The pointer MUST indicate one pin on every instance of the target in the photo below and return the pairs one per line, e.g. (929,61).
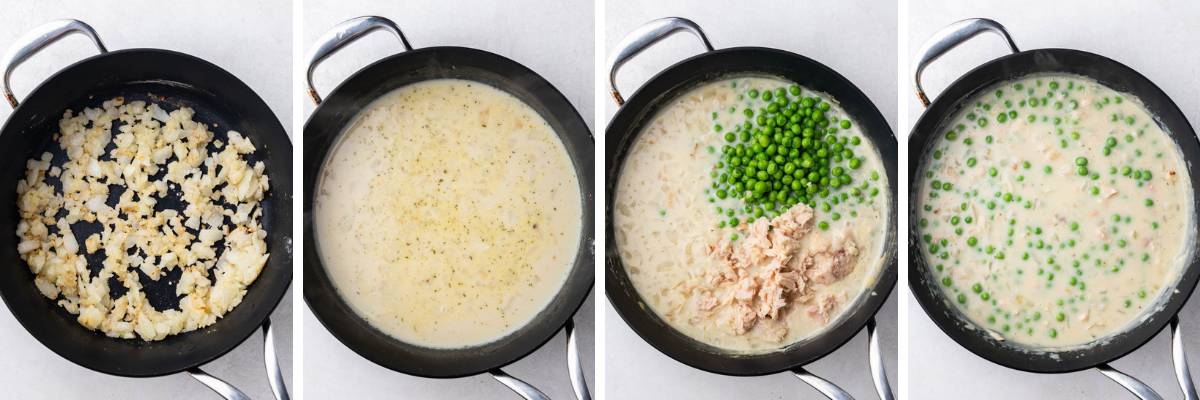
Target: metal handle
(1182,373)
(574,366)
(343,34)
(826,388)
(878,373)
(641,38)
(949,38)
(227,391)
(525,390)
(36,40)
(1133,385)
(274,373)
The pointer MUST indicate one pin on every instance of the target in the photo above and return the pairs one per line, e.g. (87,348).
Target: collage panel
(149,167)
(448,200)
(750,207)
(1052,223)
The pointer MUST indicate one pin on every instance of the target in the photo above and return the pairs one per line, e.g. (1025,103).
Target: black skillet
(338,110)
(644,104)
(172,80)
(939,114)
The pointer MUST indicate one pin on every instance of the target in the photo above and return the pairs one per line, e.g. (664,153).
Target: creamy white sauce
(664,220)
(448,214)
(1029,245)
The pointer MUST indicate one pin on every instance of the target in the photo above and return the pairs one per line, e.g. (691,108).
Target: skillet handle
(274,373)
(1133,385)
(950,37)
(574,366)
(227,391)
(827,388)
(36,40)
(343,34)
(1182,373)
(878,373)
(641,39)
(525,390)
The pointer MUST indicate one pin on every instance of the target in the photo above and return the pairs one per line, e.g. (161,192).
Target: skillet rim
(586,245)
(272,301)
(1009,356)
(691,352)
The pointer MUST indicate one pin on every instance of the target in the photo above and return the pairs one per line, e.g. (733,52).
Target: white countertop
(635,370)
(1162,47)
(258,52)
(557,43)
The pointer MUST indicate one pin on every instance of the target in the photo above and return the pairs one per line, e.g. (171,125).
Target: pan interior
(161,292)
(451,226)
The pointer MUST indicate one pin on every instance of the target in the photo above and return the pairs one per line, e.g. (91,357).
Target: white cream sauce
(1066,214)
(448,214)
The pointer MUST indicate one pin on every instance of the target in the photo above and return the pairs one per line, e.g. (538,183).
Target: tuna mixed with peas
(1053,210)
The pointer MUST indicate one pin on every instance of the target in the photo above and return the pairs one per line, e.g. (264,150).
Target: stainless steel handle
(641,39)
(878,373)
(227,391)
(1183,374)
(343,34)
(525,390)
(274,373)
(36,40)
(574,366)
(949,38)
(827,388)
(1133,385)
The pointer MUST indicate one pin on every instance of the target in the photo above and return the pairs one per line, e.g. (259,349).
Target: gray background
(556,41)
(635,370)
(252,40)
(1162,46)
